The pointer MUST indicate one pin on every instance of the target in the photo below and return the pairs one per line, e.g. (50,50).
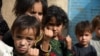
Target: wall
(7,11)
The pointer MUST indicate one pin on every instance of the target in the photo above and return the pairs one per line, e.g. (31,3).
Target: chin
(22,52)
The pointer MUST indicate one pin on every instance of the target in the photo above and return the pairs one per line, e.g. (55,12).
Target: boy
(25,31)
(83,33)
(96,40)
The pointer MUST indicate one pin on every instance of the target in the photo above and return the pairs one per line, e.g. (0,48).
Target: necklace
(46,50)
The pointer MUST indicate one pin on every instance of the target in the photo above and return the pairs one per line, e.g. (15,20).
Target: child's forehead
(84,32)
(54,20)
(26,31)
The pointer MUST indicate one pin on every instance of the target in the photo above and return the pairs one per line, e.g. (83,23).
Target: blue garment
(84,51)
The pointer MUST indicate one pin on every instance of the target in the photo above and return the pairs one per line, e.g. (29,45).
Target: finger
(33,52)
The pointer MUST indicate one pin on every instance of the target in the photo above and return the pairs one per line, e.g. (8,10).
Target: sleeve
(66,52)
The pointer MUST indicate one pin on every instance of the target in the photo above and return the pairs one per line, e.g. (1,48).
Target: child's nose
(37,15)
(54,28)
(23,42)
(83,37)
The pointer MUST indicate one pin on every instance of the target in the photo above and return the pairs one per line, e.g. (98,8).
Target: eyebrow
(24,36)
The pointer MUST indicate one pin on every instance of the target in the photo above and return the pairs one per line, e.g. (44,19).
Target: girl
(35,8)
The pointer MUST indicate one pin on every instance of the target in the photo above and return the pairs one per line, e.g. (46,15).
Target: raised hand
(48,32)
(33,52)
(68,42)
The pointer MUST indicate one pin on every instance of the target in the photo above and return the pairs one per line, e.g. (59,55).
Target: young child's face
(85,38)
(36,11)
(57,29)
(24,40)
(97,31)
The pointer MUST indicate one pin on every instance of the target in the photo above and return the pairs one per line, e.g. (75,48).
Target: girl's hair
(25,22)
(58,13)
(21,6)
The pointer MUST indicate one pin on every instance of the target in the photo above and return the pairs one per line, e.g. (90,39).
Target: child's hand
(68,42)
(48,32)
(33,52)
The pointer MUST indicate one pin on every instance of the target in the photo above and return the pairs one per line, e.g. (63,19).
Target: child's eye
(33,12)
(86,35)
(50,24)
(40,13)
(30,39)
(19,37)
(99,28)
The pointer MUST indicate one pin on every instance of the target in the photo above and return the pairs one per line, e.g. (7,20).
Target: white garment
(5,50)
(95,42)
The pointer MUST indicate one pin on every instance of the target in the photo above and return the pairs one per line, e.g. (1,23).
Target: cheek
(89,38)
(60,29)
(31,43)
(28,13)
(79,38)
(98,32)
(16,43)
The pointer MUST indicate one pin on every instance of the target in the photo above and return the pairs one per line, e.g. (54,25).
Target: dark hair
(3,26)
(21,6)
(96,22)
(83,26)
(25,21)
(58,13)
(0,5)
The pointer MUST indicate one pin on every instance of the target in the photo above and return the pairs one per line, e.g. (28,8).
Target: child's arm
(68,42)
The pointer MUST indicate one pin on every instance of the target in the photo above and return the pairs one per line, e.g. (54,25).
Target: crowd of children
(37,31)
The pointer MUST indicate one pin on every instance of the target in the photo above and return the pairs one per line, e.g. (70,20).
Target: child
(96,40)
(55,20)
(25,31)
(83,31)
(35,8)
(44,45)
